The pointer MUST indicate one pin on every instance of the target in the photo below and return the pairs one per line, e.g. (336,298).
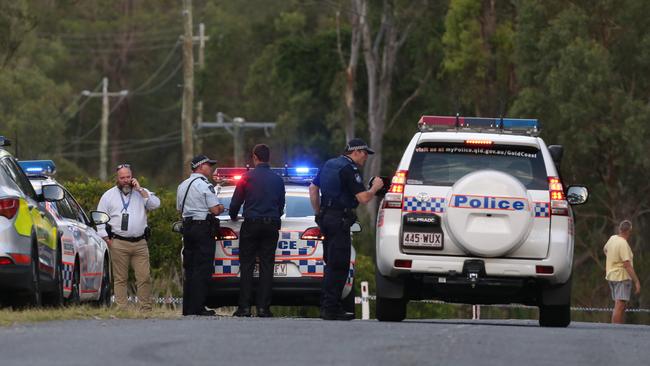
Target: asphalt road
(233,341)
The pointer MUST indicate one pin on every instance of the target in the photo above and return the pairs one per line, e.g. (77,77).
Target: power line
(161,84)
(160,68)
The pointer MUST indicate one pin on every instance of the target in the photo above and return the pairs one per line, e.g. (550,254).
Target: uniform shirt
(617,252)
(351,182)
(113,202)
(262,193)
(200,197)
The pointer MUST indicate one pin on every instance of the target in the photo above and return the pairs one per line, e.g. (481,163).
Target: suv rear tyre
(390,310)
(554,316)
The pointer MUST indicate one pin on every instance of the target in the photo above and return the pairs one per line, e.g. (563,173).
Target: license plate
(422,240)
(279,270)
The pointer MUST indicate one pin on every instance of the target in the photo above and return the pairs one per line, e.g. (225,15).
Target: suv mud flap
(390,288)
(557,295)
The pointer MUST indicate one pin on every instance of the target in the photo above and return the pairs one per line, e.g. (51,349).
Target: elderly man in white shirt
(127,204)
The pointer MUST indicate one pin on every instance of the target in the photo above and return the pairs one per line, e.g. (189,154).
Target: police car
(477,213)
(29,250)
(299,265)
(84,260)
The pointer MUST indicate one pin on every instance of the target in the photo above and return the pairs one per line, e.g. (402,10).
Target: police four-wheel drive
(477,213)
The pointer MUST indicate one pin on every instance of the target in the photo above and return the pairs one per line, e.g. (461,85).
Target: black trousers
(198,263)
(257,239)
(337,249)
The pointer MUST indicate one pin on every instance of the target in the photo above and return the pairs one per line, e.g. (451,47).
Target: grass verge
(10,317)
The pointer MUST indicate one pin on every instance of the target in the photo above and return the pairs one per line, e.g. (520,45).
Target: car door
(44,225)
(94,249)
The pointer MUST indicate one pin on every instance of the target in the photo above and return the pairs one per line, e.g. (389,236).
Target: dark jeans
(198,263)
(257,239)
(337,249)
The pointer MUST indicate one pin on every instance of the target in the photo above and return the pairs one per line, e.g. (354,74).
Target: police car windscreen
(443,164)
(295,206)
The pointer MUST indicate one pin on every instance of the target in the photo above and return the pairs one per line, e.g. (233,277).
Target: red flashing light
(559,204)
(9,207)
(226,233)
(20,258)
(312,233)
(395,194)
(236,177)
(403,263)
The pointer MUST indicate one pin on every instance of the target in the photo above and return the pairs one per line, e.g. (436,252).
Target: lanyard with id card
(124,226)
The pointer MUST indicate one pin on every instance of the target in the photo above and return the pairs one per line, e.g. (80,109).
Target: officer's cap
(201,159)
(358,144)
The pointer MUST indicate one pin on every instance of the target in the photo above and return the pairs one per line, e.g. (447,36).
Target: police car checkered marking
(435,204)
(224,267)
(311,266)
(542,209)
(66,275)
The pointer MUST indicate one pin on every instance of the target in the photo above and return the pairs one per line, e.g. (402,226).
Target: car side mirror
(52,192)
(577,195)
(355,228)
(99,217)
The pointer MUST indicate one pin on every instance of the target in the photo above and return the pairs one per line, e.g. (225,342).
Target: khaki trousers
(136,254)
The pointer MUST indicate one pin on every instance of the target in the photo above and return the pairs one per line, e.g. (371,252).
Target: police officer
(197,202)
(262,193)
(341,190)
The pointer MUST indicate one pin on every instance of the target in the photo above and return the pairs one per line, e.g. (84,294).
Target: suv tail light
(5,261)
(395,194)
(559,204)
(226,233)
(312,233)
(9,207)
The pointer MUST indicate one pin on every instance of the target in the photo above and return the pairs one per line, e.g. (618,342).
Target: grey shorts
(621,290)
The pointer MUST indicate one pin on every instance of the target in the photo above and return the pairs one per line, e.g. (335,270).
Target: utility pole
(199,106)
(103,140)
(237,128)
(188,88)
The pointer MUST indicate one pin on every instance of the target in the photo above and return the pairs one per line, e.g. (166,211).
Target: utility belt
(132,239)
(211,222)
(348,215)
(262,220)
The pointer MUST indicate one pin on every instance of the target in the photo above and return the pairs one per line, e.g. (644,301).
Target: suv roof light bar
(38,168)
(514,126)
(294,175)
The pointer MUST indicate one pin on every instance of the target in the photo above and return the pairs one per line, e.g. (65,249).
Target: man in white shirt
(126,234)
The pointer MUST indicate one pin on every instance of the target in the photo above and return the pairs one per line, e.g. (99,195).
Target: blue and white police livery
(299,265)
(85,271)
(477,213)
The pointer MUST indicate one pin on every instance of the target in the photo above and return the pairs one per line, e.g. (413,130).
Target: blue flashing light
(38,167)
(302,170)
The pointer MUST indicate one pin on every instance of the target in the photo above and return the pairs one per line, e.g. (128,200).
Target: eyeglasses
(128,166)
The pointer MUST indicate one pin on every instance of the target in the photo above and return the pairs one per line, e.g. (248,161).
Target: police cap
(358,144)
(201,159)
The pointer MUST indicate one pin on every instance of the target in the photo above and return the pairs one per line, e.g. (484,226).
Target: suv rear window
(443,164)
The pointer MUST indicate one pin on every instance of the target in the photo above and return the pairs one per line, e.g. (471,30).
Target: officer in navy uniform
(197,202)
(341,190)
(262,193)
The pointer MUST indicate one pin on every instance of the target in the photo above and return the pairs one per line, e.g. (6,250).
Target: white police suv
(476,213)
(299,265)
